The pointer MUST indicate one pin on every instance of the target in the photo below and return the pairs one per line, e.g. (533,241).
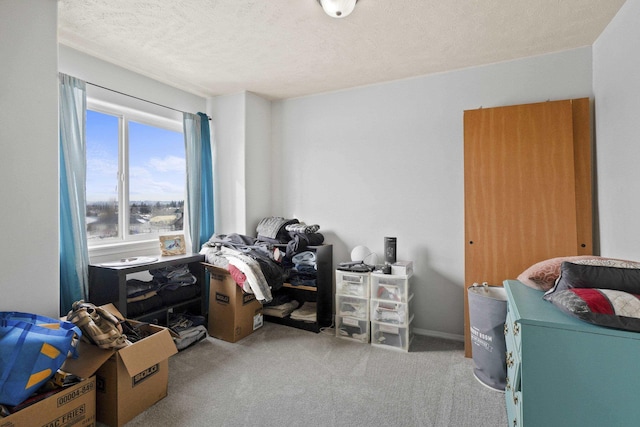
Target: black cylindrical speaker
(389,250)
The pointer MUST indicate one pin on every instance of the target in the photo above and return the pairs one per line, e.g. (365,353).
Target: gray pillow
(597,276)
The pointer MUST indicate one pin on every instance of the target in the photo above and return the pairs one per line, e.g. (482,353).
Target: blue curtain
(206,206)
(74,254)
(199,178)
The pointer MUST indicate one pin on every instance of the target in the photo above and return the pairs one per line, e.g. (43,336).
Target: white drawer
(391,336)
(352,306)
(390,288)
(352,329)
(396,313)
(352,283)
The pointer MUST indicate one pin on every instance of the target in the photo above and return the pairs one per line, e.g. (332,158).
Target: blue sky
(156,161)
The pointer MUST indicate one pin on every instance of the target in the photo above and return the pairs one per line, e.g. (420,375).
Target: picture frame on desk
(173,245)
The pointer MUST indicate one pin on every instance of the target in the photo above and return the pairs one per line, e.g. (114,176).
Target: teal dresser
(565,372)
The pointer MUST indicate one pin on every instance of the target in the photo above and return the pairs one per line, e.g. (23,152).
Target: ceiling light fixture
(338,8)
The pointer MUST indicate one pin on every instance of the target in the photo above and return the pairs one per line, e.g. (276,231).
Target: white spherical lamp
(363,254)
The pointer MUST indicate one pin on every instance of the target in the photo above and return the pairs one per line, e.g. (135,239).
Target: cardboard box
(128,380)
(71,406)
(233,314)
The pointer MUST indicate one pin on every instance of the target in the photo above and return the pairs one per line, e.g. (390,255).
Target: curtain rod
(140,99)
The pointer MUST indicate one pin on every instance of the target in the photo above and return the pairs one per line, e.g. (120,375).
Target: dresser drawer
(513,388)
(513,359)
(514,410)
(512,331)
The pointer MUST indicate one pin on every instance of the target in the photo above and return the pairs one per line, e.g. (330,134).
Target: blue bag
(32,349)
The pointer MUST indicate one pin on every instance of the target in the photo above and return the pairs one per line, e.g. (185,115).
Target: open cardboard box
(128,380)
(71,406)
(233,314)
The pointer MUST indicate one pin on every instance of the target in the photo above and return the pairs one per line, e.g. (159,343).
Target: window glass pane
(102,176)
(157,179)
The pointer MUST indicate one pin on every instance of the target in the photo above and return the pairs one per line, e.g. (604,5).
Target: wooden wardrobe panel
(584,174)
(520,190)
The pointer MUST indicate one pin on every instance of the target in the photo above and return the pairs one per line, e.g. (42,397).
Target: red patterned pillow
(604,307)
(543,275)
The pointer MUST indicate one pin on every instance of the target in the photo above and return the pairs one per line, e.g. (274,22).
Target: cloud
(160,179)
(140,173)
(168,164)
(146,185)
(102,166)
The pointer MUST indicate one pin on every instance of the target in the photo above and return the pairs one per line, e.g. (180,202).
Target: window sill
(115,251)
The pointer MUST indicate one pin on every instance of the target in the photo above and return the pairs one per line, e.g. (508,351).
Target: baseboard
(437,334)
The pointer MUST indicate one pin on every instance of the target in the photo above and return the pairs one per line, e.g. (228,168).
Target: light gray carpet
(282,376)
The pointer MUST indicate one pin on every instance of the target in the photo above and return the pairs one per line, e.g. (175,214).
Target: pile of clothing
(295,234)
(258,265)
(254,265)
(302,270)
(189,329)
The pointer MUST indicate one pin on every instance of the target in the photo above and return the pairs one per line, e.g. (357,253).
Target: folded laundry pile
(281,310)
(306,313)
(189,328)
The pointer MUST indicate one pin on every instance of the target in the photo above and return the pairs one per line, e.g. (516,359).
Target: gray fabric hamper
(487,315)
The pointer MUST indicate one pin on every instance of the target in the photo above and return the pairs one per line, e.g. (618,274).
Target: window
(135,160)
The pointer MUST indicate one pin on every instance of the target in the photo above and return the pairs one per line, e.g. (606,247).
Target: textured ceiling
(289,48)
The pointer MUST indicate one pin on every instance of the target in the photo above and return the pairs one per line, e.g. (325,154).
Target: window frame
(126,244)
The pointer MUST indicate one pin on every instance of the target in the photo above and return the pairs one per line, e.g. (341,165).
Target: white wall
(258,160)
(243,161)
(29,163)
(616,85)
(228,124)
(387,160)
